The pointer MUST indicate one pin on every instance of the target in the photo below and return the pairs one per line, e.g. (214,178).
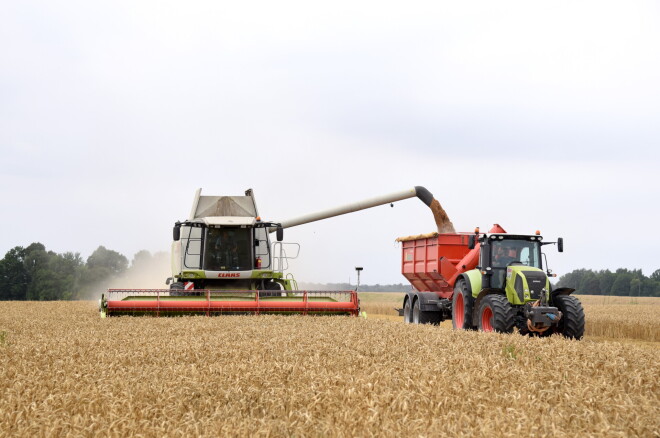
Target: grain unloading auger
(223,262)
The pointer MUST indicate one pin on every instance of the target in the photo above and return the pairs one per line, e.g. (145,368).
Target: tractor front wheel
(462,306)
(571,324)
(496,314)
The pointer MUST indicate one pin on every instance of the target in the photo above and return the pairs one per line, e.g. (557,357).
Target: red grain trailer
(432,263)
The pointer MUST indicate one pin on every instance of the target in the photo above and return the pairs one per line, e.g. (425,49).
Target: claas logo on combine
(229,275)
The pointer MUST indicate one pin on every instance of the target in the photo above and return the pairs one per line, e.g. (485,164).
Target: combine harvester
(223,263)
(487,281)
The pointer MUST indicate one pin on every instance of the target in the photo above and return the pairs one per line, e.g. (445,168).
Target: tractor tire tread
(503,313)
(468,303)
(572,321)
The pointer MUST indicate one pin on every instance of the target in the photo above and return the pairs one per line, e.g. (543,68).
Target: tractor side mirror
(560,244)
(471,241)
(176,233)
(279,233)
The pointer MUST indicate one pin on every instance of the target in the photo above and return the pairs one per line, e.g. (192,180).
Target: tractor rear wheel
(421,317)
(496,314)
(571,324)
(407,312)
(462,305)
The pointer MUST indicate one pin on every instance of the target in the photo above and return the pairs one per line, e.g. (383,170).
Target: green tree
(53,276)
(656,275)
(573,279)
(14,278)
(621,285)
(650,288)
(606,280)
(589,284)
(107,260)
(635,287)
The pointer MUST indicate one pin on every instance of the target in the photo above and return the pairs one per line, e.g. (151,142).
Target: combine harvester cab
(223,262)
(487,281)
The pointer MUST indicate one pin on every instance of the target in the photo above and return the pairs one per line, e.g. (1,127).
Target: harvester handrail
(283,258)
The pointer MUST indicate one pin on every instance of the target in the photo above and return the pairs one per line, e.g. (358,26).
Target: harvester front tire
(176,289)
(421,317)
(274,286)
(496,314)
(462,304)
(571,324)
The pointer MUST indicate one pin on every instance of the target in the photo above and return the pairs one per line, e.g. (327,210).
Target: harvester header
(223,262)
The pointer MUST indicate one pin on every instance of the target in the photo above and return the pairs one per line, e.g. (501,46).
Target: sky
(533,115)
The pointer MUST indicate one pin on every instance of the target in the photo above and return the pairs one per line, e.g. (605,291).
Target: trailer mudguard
(428,301)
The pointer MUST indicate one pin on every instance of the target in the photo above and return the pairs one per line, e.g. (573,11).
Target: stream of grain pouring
(441,219)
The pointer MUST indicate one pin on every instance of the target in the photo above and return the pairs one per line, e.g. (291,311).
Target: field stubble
(64,371)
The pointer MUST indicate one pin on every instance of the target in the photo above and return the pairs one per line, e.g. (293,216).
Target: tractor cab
(501,252)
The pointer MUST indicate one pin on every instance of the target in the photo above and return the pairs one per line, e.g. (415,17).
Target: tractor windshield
(228,249)
(525,252)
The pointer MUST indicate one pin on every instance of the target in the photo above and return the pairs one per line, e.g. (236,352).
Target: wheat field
(66,372)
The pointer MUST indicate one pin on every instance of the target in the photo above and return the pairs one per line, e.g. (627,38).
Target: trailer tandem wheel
(407,311)
(420,316)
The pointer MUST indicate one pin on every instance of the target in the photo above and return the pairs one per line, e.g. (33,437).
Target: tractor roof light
(538,232)
(476,230)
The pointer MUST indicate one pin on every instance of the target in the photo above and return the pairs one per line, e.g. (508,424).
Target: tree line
(34,273)
(622,282)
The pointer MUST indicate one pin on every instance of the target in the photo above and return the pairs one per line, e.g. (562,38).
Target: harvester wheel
(496,314)
(407,312)
(421,317)
(462,306)
(571,324)
(176,289)
(274,286)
